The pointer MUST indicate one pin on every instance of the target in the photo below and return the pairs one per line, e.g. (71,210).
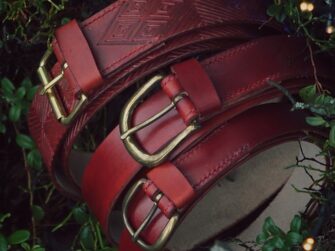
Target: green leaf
(315,121)
(34,159)
(20,92)
(281,16)
(14,113)
(86,237)
(79,215)
(26,83)
(277,11)
(2,128)
(3,243)
(270,227)
(38,212)
(25,246)
(332,136)
(3,217)
(323,99)
(296,224)
(268,247)
(65,20)
(294,238)
(308,93)
(289,8)
(63,223)
(7,87)
(31,92)
(18,237)
(38,248)
(25,141)
(305,234)
(262,237)
(266,226)
(275,242)
(278,242)
(273,10)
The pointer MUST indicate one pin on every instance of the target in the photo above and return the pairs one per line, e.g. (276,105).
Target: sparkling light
(330,29)
(310,7)
(303,6)
(308,244)
(306,6)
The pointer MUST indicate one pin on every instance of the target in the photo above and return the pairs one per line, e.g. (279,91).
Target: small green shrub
(273,238)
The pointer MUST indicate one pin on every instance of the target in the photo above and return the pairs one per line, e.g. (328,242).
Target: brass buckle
(47,89)
(139,154)
(166,233)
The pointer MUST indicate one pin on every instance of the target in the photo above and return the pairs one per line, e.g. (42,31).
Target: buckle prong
(47,86)
(126,129)
(49,83)
(148,218)
(152,119)
(166,233)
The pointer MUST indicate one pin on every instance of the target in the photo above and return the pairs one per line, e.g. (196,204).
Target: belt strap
(128,41)
(237,94)
(226,150)
(111,168)
(142,38)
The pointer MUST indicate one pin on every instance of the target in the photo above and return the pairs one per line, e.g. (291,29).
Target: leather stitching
(165,209)
(257,84)
(198,146)
(165,81)
(149,184)
(222,164)
(193,110)
(249,87)
(101,16)
(124,57)
(231,52)
(213,171)
(169,207)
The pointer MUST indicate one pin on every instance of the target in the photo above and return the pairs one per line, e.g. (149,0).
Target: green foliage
(273,238)
(20,17)
(308,24)
(15,100)
(38,212)
(322,106)
(14,107)
(89,236)
(26,29)
(17,238)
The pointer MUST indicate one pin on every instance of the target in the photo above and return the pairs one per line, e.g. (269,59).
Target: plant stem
(317,82)
(98,232)
(29,187)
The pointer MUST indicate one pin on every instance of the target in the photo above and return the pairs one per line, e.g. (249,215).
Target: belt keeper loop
(185,106)
(83,72)
(164,204)
(176,188)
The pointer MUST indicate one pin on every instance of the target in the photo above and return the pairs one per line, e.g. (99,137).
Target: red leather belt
(225,112)
(228,94)
(119,46)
